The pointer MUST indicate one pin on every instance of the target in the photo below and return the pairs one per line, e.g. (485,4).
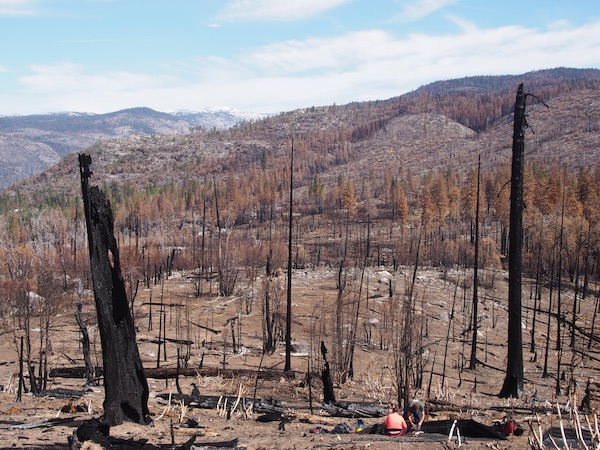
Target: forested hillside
(477,102)
(399,165)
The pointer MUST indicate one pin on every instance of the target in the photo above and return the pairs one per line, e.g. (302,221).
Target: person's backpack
(512,427)
(360,425)
(341,428)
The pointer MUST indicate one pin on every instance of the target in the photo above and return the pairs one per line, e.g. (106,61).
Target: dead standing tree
(473,361)
(85,339)
(513,383)
(288,311)
(125,385)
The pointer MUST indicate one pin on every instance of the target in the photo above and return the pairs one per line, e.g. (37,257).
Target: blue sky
(272,55)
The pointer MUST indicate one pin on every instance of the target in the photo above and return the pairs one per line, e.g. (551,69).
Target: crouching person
(415,415)
(395,425)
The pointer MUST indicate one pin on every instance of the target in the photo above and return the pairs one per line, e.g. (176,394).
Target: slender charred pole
(85,341)
(21,387)
(473,361)
(513,383)
(288,315)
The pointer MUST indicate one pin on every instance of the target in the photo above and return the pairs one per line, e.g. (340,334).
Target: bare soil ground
(464,393)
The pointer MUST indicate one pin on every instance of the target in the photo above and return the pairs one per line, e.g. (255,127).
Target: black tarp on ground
(467,428)
(570,435)
(440,429)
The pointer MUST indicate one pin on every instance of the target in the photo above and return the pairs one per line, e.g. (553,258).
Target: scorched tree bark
(513,383)
(125,385)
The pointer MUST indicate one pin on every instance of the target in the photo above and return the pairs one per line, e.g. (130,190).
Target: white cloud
(375,65)
(71,87)
(275,10)
(17,7)
(465,25)
(422,8)
(338,53)
(69,76)
(358,66)
(559,24)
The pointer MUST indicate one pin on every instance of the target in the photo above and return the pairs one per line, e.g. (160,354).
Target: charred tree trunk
(288,313)
(513,383)
(328,393)
(473,361)
(349,363)
(125,385)
(545,373)
(576,309)
(269,341)
(586,272)
(203,247)
(537,299)
(85,342)
(559,314)
(21,387)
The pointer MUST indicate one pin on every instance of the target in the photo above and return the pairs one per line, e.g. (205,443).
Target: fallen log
(205,328)
(172,341)
(354,409)
(72,372)
(440,405)
(437,404)
(171,372)
(48,423)
(260,406)
(219,444)
(170,305)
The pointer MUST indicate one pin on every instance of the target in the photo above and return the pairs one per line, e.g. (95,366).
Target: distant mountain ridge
(29,144)
(140,143)
(485,83)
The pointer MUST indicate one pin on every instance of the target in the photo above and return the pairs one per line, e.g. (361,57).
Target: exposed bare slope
(355,139)
(23,137)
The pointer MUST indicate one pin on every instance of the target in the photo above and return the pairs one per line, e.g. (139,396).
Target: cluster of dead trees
(334,226)
(223,225)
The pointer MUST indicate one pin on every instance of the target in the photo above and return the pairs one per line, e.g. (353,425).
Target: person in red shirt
(395,425)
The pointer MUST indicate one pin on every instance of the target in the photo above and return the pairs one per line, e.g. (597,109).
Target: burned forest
(260,286)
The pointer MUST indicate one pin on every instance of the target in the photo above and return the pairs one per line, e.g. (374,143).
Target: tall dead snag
(288,312)
(125,386)
(473,361)
(513,383)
